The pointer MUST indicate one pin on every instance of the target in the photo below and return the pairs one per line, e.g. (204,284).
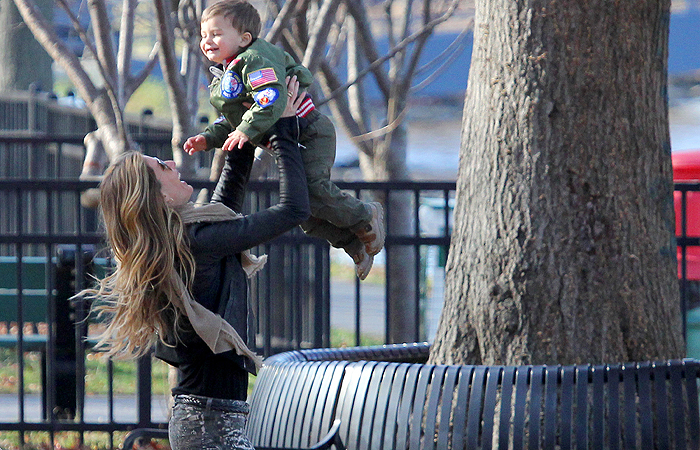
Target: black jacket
(220,284)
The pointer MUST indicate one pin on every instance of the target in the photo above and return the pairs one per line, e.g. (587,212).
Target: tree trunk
(563,249)
(24,61)
(389,164)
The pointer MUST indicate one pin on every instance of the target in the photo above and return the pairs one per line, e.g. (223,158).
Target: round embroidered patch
(231,85)
(266,97)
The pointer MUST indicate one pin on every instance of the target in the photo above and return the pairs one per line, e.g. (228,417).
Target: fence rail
(290,299)
(295,302)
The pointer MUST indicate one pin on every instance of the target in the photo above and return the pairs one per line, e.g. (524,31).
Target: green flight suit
(256,77)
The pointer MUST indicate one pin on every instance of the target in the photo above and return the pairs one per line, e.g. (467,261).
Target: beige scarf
(218,334)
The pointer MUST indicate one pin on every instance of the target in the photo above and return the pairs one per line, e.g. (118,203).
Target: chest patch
(262,77)
(266,97)
(231,85)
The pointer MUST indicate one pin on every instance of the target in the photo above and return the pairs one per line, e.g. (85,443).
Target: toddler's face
(220,41)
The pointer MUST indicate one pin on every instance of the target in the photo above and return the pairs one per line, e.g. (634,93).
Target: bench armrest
(331,438)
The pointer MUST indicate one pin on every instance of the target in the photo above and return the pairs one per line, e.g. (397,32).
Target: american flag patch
(261,77)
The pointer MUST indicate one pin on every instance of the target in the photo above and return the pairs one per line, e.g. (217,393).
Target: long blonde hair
(146,237)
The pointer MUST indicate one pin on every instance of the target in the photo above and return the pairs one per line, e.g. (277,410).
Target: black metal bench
(300,399)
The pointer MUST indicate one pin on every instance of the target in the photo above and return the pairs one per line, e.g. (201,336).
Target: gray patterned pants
(208,423)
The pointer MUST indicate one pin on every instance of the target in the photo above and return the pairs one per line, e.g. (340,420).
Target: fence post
(63,377)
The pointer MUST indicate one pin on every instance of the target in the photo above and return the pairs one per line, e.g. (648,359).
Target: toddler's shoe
(374,233)
(363,263)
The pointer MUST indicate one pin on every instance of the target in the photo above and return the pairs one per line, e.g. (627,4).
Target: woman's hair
(243,16)
(146,237)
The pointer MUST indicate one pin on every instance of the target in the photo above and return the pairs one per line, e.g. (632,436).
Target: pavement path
(96,408)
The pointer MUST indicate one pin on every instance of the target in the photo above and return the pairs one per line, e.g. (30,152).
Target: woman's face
(175,191)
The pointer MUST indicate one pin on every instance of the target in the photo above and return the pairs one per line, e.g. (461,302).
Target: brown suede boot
(374,233)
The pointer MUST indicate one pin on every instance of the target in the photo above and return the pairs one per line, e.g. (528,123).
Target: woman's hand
(295,97)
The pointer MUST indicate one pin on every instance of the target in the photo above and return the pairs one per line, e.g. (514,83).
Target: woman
(181,279)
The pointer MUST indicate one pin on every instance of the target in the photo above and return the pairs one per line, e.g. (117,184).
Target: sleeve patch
(262,77)
(266,97)
(231,85)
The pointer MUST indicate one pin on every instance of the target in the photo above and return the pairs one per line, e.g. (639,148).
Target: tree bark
(563,249)
(24,61)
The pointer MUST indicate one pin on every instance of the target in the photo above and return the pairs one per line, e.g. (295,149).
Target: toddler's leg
(341,238)
(327,201)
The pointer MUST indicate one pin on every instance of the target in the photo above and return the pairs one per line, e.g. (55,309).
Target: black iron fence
(53,382)
(49,244)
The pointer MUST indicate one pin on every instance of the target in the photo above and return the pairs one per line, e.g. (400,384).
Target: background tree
(563,249)
(320,33)
(106,95)
(24,60)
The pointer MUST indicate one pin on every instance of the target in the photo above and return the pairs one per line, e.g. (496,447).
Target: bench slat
(405,405)
(646,422)
(536,385)
(598,406)
(431,410)
(328,405)
(382,410)
(446,408)
(676,388)
(392,410)
(691,385)
(630,406)
(493,379)
(522,376)
(310,412)
(366,427)
(474,406)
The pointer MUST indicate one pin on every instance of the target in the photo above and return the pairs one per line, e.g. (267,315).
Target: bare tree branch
(357,11)
(455,49)
(109,82)
(133,82)
(352,127)
(315,50)
(427,29)
(275,32)
(124,53)
(57,49)
(103,39)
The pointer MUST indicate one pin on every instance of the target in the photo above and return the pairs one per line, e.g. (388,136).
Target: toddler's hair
(244,17)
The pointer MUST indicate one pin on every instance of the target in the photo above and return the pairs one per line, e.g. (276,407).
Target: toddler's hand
(195,144)
(236,139)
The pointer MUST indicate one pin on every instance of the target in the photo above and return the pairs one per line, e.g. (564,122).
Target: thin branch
(319,34)
(381,131)
(399,47)
(344,115)
(455,46)
(280,23)
(335,48)
(429,25)
(57,49)
(108,81)
(369,45)
(124,53)
(103,38)
(440,69)
(133,82)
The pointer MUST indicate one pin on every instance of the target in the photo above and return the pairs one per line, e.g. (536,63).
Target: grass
(96,374)
(96,383)
(65,440)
